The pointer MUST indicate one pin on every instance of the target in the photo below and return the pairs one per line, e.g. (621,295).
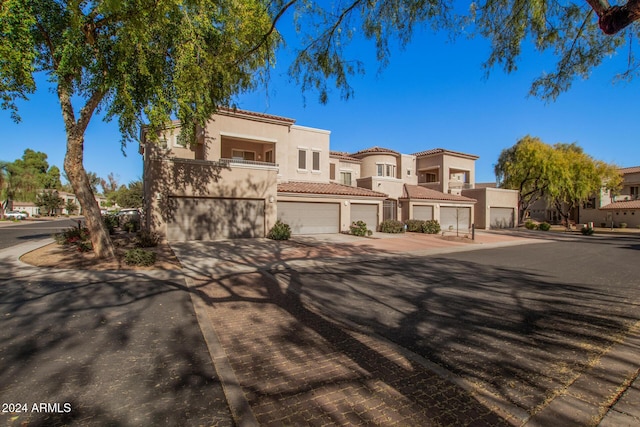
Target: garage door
(366,213)
(193,218)
(310,218)
(423,213)
(455,219)
(501,217)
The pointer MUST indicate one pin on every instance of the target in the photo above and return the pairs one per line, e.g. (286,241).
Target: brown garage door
(366,213)
(194,218)
(423,213)
(310,218)
(455,219)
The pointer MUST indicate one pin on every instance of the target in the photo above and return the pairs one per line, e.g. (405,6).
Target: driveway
(352,332)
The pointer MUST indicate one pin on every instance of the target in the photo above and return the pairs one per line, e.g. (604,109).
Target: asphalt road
(522,322)
(13,234)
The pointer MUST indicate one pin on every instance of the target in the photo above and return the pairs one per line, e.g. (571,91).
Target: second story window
(391,171)
(316,161)
(345,178)
(302,159)
(634,192)
(386,169)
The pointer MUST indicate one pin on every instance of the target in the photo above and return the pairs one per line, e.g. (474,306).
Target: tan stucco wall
(308,139)
(370,161)
(488,198)
(346,166)
(204,179)
(407,169)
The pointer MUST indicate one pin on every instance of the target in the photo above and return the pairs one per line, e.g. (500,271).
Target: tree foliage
(152,61)
(49,202)
(135,61)
(563,174)
(25,177)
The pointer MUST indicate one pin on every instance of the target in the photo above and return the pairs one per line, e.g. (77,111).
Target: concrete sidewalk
(82,348)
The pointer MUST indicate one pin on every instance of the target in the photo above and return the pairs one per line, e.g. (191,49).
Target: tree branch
(613,19)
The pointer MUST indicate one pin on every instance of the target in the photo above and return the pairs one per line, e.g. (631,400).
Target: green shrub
(358,228)
(131,226)
(414,225)
(391,226)
(147,239)
(279,231)
(587,231)
(431,226)
(530,225)
(139,257)
(72,235)
(545,226)
(623,225)
(111,222)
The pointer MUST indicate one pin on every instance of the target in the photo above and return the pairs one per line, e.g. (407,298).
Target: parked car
(132,216)
(15,215)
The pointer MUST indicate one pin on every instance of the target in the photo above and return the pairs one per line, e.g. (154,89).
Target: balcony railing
(230,162)
(460,186)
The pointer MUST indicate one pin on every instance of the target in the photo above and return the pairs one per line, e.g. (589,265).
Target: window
(302,159)
(590,204)
(430,177)
(386,169)
(316,161)
(408,172)
(391,171)
(243,155)
(634,193)
(345,178)
(268,156)
(332,171)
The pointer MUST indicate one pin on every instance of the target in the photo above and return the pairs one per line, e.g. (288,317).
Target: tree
(130,197)
(26,176)
(49,202)
(528,167)
(580,178)
(137,60)
(71,207)
(51,180)
(144,60)
(562,174)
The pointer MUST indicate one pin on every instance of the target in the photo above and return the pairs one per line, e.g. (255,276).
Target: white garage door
(501,217)
(310,218)
(193,218)
(455,219)
(366,213)
(423,213)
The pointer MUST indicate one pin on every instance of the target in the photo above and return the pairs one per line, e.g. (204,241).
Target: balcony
(250,164)
(456,185)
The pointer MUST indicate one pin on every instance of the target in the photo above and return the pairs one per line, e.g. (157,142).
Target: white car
(15,215)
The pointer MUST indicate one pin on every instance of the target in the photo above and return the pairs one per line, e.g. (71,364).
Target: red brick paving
(299,368)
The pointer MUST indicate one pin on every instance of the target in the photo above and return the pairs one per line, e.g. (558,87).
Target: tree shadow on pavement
(126,350)
(304,337)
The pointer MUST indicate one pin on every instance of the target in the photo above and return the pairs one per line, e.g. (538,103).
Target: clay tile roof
(418,192)
(235,111)
(443,151)
(374,150)
(627,204)
(343,156)
(632,169)
(326,188)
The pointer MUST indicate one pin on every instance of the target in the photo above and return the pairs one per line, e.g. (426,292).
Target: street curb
(240,409)
(595,392)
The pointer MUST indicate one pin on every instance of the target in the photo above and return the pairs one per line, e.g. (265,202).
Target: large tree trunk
(100,240)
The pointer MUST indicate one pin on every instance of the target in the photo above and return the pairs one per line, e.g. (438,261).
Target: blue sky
(434,93)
